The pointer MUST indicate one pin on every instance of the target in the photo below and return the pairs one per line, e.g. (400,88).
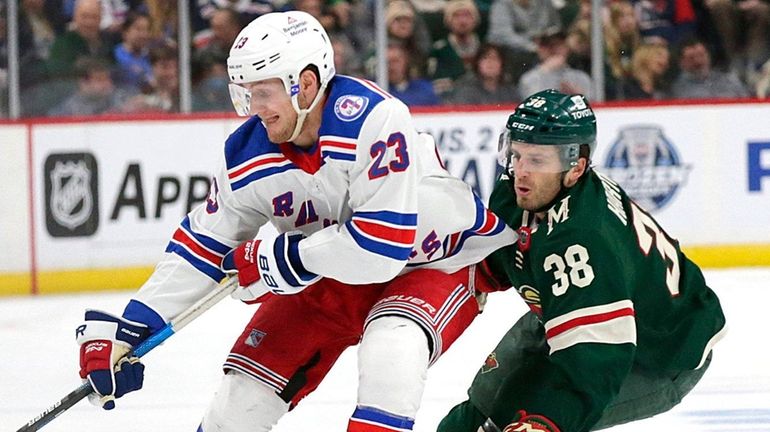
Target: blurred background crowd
(88,57)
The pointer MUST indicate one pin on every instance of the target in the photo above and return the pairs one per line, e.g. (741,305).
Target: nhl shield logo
(645,163)
(71,194)
(350,107)
(71,200)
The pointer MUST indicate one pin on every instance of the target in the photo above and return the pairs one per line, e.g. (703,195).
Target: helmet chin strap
(302,113)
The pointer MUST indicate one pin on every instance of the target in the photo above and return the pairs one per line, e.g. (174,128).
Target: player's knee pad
(242,404)
(392,365)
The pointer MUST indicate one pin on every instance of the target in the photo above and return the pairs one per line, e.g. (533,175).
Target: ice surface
(38,356)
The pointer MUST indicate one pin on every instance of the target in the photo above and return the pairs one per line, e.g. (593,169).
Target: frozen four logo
(350,107)
(646,164)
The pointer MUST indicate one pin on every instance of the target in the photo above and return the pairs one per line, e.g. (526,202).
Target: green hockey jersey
(612,290)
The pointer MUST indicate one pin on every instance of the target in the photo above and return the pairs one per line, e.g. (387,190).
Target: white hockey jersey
(371,197)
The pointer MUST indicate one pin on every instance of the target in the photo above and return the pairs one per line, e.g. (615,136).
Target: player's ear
(575,172)
(308,84)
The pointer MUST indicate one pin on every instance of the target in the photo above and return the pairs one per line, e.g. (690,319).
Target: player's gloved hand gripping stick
(143,348)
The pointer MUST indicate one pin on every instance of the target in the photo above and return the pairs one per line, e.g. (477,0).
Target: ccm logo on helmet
(522,126)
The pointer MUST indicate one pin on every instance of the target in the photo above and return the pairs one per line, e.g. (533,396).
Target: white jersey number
(571,269)
(648,232)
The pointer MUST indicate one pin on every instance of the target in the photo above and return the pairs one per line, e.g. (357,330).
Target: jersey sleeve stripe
(400,236)
(377,246)
(609,324)
(368,419)
(403,219)
(200,264)
(183,239)
(204,240)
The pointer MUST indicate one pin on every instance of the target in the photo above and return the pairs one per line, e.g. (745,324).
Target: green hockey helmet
(549,118)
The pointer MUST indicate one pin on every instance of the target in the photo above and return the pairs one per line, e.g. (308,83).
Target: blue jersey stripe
(338,156)
(206,241)
(203,266)
(383,417)
(403,219)
(256,175)
(384,249)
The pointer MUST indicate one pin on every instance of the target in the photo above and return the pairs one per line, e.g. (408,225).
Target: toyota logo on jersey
(350,107)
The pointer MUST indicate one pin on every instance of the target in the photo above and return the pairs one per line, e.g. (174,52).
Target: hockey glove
(531,422)
(280,266)
(104,342)
(242,261)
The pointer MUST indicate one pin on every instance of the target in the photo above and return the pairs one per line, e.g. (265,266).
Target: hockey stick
(143,348)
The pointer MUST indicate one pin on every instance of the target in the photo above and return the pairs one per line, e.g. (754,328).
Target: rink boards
(91,204)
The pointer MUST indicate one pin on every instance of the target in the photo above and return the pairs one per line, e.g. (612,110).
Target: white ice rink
(38,356)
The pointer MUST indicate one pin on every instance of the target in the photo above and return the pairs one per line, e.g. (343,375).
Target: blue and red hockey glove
(104,342)
(268,266)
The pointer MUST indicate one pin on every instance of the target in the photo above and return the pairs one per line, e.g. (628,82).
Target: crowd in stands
(86,57)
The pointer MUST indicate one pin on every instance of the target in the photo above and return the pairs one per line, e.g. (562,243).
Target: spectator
(621,37)
(318,10)
(114,13)
(37,30)
(346,62)
(453,56)
(432,13)
(514,23)
(403,82)
(164,18)
(553,72)
(210,88)
(742,26)
(96,92)
(649,66)
(408,30)
(487,83)
(84,39)
(669,20)
(225,26)
(205,10)
(762,87)
(132,56)
(698,80)
(161,92)
(579,45)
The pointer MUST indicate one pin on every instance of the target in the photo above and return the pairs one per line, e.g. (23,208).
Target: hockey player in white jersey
(377,244)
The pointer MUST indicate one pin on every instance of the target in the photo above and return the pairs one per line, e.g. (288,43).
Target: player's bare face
(272,105)
(537,175)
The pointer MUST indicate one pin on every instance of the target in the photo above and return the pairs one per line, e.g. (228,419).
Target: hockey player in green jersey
(621,323)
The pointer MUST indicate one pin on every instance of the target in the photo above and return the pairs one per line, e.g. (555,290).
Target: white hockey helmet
(279,45)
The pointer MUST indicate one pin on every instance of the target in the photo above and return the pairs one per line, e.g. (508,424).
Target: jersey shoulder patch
(350,102)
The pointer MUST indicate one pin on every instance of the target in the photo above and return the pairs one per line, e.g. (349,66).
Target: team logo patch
(71,194)
(531,297)
(645,163)
(490,363)
(350,107)
(255,338)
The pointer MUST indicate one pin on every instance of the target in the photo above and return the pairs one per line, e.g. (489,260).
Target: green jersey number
(648,232)
(570,269)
